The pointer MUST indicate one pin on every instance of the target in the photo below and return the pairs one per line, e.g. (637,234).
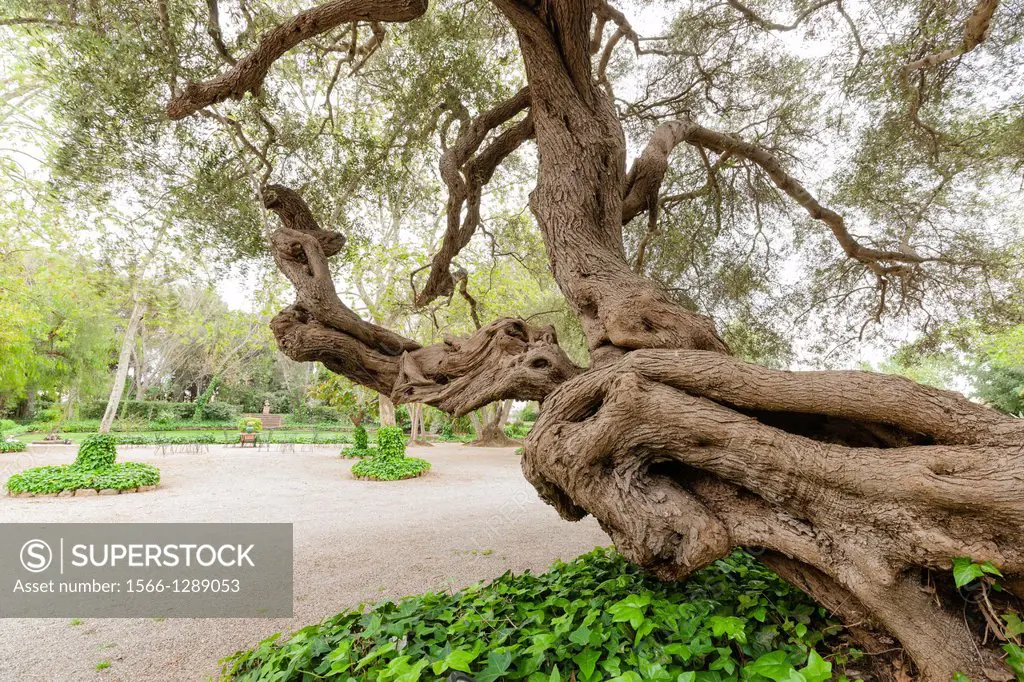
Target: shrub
(220,412)
(81,426)
(6,425)
(11,446)
(323,414)
(246,422)
(94,467)
(148,410)
(212,438)
(92,409)
(390,469)
(597,617)
(390,442)
(97,451)
(528,414)
(360,444)
(49,415)
(388,462)
(517,430)
(204,399)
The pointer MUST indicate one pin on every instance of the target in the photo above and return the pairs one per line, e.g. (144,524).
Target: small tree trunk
(69,407)
(138,310)
(478,427)
(387,411)
(492,434)
(417,430)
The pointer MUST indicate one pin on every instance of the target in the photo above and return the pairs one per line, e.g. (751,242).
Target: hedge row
(160,410)
(120,426)
(228,439)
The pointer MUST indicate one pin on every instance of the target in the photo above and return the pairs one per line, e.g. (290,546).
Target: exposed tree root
(684,455)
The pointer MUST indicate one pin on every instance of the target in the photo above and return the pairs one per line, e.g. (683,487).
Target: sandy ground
(355,541)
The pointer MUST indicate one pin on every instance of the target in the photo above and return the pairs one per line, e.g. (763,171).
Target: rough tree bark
(860,488)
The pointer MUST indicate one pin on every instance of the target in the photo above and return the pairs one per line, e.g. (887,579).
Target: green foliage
(1015,659)
(360,438)
(342,398)
(390,468)
(7,425)
(229,439)
(198,414)
(220,412)
(126,426)
(97,451)
(1001,386)
(517,430)
(360,444)
(321,414)
(387,462)
(966,571)
(597,617)
(390,442)
(94,467)
(529,413)
(11,446)
(253,423)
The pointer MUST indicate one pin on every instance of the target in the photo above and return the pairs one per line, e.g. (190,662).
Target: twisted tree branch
(248,73)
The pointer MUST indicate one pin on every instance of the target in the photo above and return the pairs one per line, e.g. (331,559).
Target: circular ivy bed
(596,618)
(11,446)
(387,462)
(94,470)
(378,468)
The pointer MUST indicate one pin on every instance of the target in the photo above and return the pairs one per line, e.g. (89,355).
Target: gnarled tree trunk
(860,488)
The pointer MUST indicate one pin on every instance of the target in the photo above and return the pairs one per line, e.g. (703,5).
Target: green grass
(103,665)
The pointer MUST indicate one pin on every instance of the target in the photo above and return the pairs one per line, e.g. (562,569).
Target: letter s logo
(36,556)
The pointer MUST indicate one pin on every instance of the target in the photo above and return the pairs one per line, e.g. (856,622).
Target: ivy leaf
(775,666)
(1014,626)
(580,635)
(966,571)
(731,626)
(987,567)
(1015,659)
(628,676)
(680,650)
(817,668)
(587,661)
(630,609)
(460,660)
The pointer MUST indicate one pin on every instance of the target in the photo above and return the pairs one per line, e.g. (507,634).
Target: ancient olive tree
(859,488)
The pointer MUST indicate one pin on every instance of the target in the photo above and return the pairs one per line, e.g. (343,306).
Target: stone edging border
(88,492)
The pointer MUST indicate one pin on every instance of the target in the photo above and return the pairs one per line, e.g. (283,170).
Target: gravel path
(355,541)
